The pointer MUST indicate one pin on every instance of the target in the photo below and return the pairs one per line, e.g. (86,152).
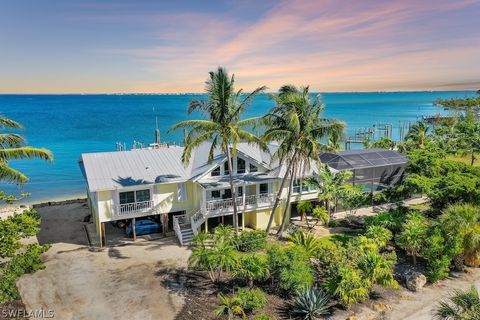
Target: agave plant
(462,305)
(310,304)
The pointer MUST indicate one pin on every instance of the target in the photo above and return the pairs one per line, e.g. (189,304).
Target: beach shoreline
(19,206)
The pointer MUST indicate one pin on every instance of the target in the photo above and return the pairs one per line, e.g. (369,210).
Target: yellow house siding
(304,196)
(105,212)
(250,220)
(166,197)
(259,219)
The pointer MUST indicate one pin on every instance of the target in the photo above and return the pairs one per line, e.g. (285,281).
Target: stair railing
(176,227)
(196,221)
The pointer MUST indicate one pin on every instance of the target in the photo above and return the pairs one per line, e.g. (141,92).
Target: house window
(227,194)
(263,188)
(240,165)
(306,186)
(181,192)
(296,186)
(226,169)
(127,197)
(240,191)
(134,196)
(252,168)
(216,172)
(215,194)
(142,195)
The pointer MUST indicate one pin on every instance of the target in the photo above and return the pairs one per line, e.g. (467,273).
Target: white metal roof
(119,169)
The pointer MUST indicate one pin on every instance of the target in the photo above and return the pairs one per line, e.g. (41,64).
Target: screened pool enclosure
(373,169)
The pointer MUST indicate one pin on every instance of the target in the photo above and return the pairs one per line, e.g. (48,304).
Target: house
(154,181)
(125,185)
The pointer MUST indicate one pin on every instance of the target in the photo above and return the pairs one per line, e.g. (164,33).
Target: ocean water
(69,125)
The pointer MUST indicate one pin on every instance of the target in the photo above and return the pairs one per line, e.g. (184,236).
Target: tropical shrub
(413,234)
(380,235)
(463,221)
(439,251)
(290,267)
(230,307)
(252,267)
(22,263)
(307,241)
(348,284)
(330,253)
(378,268)
(310,304)
(454,187)
(353,268)
(391,219)
(304,207)
(321,214)
(251,241)
(216,259)
(16,227)
(379,198)
(201,239)
(251,299)
(263,316)
(462,305)
(224,233)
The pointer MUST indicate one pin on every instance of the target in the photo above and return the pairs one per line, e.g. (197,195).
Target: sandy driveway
(135,281)
(421,305)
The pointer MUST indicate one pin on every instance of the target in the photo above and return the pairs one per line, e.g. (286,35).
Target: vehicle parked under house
(127,185)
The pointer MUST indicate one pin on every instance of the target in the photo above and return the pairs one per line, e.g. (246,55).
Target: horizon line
(203,93)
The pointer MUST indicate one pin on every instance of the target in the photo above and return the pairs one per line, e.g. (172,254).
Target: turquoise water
(73,124)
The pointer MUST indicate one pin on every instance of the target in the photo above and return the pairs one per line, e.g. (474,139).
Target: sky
(63,46)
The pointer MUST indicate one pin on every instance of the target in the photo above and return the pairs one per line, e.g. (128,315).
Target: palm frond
(25,153)
(11,175)
(200,124)
(11,140)
(9,123)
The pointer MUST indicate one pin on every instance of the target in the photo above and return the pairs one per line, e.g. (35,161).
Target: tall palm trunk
(279,194)
(234,194)
(290,187)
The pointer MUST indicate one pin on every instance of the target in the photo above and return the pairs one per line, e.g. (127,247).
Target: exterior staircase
(186,233)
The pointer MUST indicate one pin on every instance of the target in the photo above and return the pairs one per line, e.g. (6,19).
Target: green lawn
(465,159)
(340,237)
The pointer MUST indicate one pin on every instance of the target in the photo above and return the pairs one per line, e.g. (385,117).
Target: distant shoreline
(203,93)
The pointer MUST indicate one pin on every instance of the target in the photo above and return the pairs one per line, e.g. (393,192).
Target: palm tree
(468,137)
(223,127)
(296,124)
(304,207)
(333,143)
(463,220)
(12,147)
(331,186)
(418,134)
(461,305)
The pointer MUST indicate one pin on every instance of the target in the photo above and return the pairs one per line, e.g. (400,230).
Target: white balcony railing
(260,200)
(134,207)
